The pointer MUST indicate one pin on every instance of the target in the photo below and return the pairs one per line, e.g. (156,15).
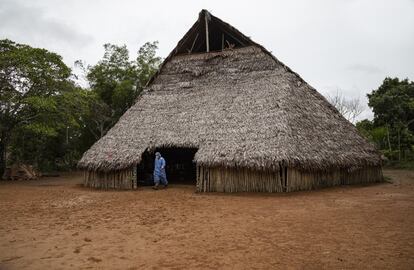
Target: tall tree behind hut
(39,105)
(392,129)
(393,107)
(117,81)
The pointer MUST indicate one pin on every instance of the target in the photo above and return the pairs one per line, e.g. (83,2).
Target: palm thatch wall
(120,179)
(220,179)
(286,180)
(242,109)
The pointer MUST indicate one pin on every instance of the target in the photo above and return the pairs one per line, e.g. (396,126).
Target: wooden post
(134,177)
(192,46)
(207,41)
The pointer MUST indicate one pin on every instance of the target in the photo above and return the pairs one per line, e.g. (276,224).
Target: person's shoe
(165,186)
(155,187)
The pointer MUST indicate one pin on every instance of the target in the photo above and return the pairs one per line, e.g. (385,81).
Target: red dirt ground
(54,223)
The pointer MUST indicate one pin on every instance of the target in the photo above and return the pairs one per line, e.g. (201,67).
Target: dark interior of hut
(180,168)
(211,34)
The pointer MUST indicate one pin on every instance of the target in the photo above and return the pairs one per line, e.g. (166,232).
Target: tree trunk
(3,149)
(101,129)
(388,138)
(399,145)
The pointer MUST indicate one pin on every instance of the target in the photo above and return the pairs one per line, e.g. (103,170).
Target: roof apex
(209,33)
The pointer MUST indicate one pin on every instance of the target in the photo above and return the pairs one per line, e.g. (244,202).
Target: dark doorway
(180,167)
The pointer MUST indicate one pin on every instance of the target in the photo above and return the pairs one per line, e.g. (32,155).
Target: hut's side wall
(220,179)
(366,175)
(237,180)
(245,180)
(302,180)
(123,179)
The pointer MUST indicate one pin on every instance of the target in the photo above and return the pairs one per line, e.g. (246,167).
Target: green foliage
(42,112)
(117,81)
(377,135)
(407,164)
(147,63)
(41,129)
(48,121)
(365,128)
(123,96)
(393,102)
(392,129)
(30,80)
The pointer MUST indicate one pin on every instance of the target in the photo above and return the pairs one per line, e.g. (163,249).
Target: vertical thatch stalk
(206,19)
(308,180)
(121,179)
(221,179)
(134,178)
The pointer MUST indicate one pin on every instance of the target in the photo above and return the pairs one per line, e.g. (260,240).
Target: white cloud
(27,22)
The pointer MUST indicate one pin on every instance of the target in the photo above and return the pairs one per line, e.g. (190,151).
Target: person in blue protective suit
(159,171)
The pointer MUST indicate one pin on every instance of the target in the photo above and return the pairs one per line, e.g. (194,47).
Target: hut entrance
(180,167)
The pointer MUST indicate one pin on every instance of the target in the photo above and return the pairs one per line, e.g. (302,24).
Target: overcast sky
(350,45)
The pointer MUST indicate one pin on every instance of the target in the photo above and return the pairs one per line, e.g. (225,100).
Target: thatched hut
(231,117)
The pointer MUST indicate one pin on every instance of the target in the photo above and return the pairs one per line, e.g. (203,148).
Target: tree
(377,135)
(30,80)
(117,81)
(147,63)
(48,121)
(98,118)
(393,107)
(349,108)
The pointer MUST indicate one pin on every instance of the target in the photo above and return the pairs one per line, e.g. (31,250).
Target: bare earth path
(54,223)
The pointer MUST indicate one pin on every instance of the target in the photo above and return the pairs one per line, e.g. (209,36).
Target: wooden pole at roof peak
(206,15)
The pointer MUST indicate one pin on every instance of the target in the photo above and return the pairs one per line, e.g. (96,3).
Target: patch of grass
(402,165)
(388,179)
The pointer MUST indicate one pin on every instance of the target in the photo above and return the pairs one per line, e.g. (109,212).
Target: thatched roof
(239,107)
